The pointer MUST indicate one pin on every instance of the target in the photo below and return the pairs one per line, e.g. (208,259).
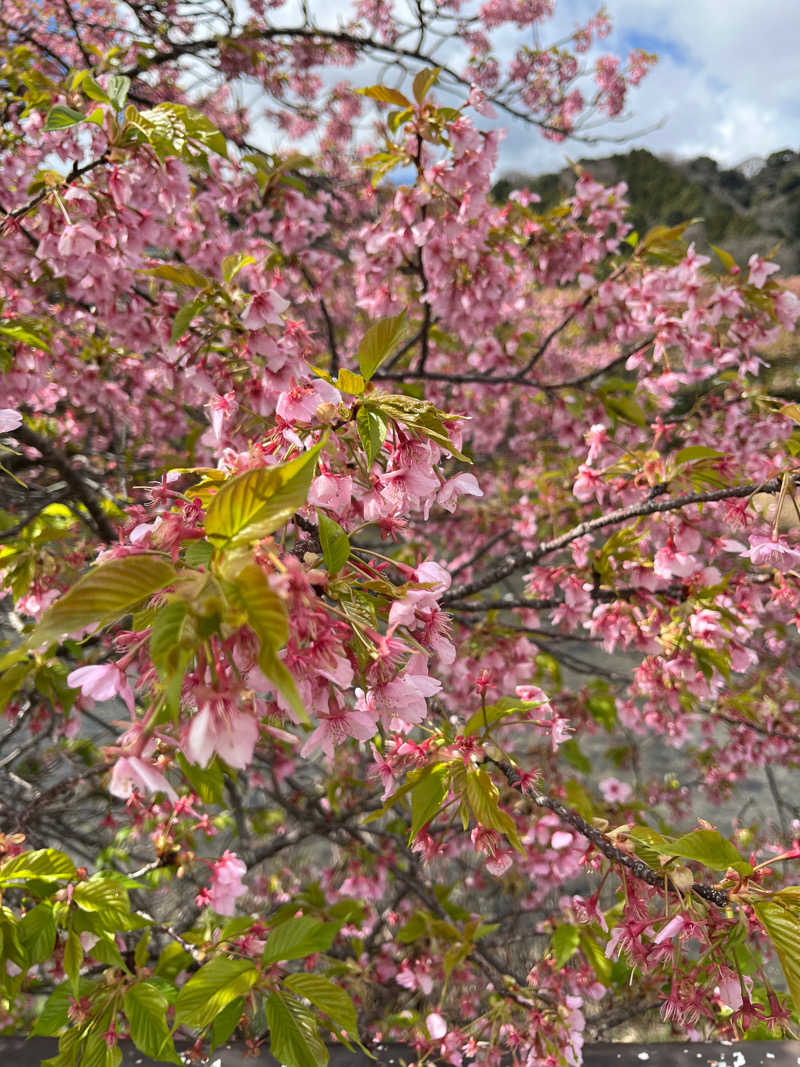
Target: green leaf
(328,997)
(173,633)
(37,933)
(225,1023)
(428,795)
(483,798)
(208,782)
(47,864)
(146,1010)
(231,265)
(424,81)
(351,383)
(293,1037)
(334,541)
(264,608)
(184,317)
(566,939)
(103,595)
(297,938)
(695,452)
(198,554)
(783,927)
(73,957)
(280,676)
(254,504)
(179,273)
(710,848)
(571,751)
(212,988)
(385,96)
(118,87)
(379,342)
(625,408)
(53,1016)
(503,709)
(725,258)
(24,335)
(372,431)
(84,81)
(61,117)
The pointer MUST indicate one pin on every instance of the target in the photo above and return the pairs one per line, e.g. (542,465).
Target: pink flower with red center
(614,791)
(492,843)
(299,403)
(337,726)
(264,309)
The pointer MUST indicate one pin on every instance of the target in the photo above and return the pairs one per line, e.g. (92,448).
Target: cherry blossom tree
(359,532)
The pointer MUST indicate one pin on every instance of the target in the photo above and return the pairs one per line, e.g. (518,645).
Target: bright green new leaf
(783,927)
(334,541)
(53,1016)
(61,117)
(281,677)
(566,939)
(264,608)
(254,504)
(225,1023)
(231,265)
(297,938)
(184,317)
(118,86)
(710,848)
(506,707)
(349,382)
(146,1010)
(293,1037)
(328,997)
(212,988)
(44,864)
(103,595)
(73,957)
(695,452)
(37,933)
(483,798)
(372,431)
(379,342)
(428,795)
(15,331)
(385,95)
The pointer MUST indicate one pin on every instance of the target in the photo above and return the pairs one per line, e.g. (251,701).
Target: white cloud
(727,85)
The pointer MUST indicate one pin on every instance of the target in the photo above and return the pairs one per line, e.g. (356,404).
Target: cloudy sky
(727,83)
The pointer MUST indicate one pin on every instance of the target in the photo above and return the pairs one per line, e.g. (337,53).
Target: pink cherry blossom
(226,883)
(264,309)
(9,420)
(614,791)
(131,773)
(102,681)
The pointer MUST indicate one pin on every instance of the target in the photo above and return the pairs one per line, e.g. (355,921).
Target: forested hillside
(751,208)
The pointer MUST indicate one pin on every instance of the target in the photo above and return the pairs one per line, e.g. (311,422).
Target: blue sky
(727,84)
